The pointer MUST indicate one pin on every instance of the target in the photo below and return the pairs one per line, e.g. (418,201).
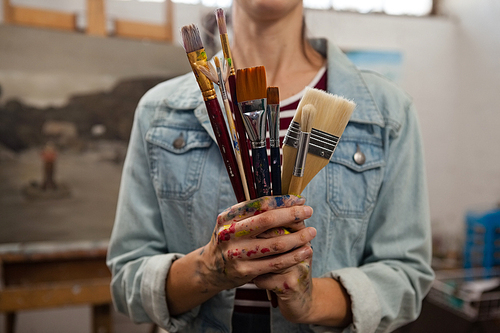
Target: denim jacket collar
(344,79)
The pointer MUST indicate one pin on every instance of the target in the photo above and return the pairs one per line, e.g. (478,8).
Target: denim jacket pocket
(177,156)
(353,186)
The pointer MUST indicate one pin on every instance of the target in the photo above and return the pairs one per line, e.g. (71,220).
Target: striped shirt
(288,107)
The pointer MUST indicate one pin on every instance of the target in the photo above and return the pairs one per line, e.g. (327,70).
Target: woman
(370,228)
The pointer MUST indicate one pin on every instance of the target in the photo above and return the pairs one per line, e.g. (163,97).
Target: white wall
(477,116)
(429,53)
(451,67)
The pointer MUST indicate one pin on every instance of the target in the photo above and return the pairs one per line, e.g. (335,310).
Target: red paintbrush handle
(225,147)
(242,138)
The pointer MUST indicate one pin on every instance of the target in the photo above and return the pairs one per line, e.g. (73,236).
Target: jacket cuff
(365,306)
(153,294)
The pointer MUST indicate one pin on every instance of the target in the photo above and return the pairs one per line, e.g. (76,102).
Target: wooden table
(55,274)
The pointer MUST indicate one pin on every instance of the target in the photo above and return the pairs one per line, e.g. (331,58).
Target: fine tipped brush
(252,99)
(332,115)
(307,120)
(224,38)
(197,57)
(273,118)
(239,125)
(230,122)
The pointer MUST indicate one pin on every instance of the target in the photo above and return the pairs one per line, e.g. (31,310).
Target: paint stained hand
(249,240)
(293,286)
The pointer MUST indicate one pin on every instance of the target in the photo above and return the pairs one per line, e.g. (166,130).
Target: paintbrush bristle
(191,38)
(331,116)
(273,95)
(333,112)
(209,72)
(221,20)
(251,84)
(308,115)
(217,62)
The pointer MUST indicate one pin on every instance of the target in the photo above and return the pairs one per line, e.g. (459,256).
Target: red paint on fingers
(225,234)
(231,254)
(252,252)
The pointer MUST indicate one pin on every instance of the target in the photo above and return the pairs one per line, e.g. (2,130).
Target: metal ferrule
(292,135)
(273,115)
(321,144)
(300,160)
(221,84)
(199,58)
(254,116)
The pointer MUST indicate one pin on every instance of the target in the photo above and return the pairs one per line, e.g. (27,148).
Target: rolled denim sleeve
(388,286)
(138,254)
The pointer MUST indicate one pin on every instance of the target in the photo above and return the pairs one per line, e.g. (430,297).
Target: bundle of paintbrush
(312,137)
(198,59)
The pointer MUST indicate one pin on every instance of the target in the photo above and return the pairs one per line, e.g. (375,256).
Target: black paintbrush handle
(261,171)
(276,170)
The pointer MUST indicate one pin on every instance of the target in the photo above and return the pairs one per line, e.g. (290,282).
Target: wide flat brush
(252,101)
(273,119)
(197,57)
(332,115)
(238,120)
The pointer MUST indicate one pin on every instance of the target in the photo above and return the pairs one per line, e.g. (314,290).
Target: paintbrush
(331,118)
(252,99)
(307,120)
(273,118)
(217,76)
(232,128)
(197,57)
(239,125)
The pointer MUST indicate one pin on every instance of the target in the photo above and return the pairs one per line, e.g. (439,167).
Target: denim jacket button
(179,142)
(359,157)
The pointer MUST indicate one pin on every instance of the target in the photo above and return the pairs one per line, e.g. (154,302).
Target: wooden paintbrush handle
(237,149)
(295,185)
(222,136)
(261,171)
(276,170)
(242,138)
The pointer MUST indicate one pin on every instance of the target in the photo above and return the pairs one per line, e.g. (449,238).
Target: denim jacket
(372,218)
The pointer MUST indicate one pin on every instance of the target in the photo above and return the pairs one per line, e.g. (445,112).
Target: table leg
(10,322)
(101,318)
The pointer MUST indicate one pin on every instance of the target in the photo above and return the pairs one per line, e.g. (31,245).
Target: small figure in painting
(49,157)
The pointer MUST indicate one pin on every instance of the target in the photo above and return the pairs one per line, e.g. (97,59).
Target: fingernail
(308,211)
(312,231)
(307,253)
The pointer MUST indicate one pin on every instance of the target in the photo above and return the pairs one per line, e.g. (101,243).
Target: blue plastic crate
(482,243)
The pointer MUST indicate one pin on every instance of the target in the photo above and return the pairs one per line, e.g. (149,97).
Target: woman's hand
(306,300)
(293,286)
(241,247)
